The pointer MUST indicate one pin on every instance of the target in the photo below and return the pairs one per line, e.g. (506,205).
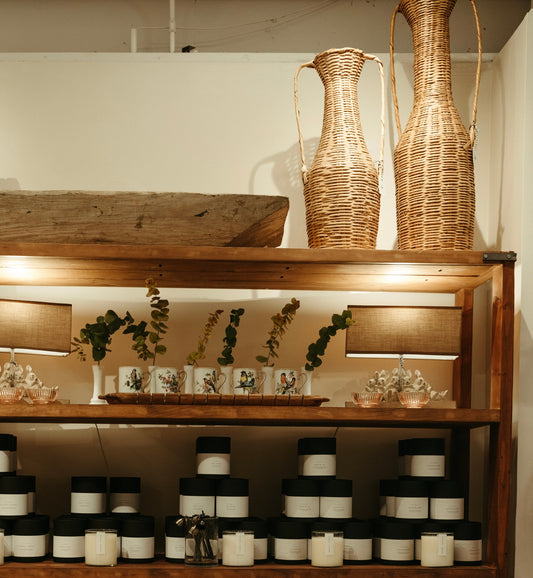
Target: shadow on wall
(9,184)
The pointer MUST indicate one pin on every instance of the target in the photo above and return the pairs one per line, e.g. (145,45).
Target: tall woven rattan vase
(341,189)
(433,161)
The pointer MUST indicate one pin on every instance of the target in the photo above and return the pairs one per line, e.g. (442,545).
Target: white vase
(306,390)
(98,386)
(268,383)
(188,386)
(227,386)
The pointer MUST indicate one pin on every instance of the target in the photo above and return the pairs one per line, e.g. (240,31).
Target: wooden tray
(212,399)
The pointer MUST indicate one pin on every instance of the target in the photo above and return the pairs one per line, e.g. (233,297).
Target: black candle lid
(326,526)
(6,524)
(125,485)
(289,529)
(336,488)
(138,526)
(13,485)
(319,446)
(88,484)
(426,446)
(68,525)
(31,525)
(300,487)
(197,486)
(232,487)
(8,443)
(430,527)
(446,489)
(173,529)
(105,523)
(213,445)
(30,482)
(396,530)
(412,489)
(467,531)
(387,487)
(258,525)
(357,530)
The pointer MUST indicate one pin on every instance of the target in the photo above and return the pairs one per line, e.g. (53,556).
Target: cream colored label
(29,546)
(467,550)
(447,508)
(195,505)
(290,549)
(68,546)
(317,465)
(125,503)
(427,466)
(397,550)
(87,503)
(232,506)
(335,507)
(302,506)
(213,464)
(13,504)
(414,508)
(359,549)
(137,548)
(175,547)
(261,548)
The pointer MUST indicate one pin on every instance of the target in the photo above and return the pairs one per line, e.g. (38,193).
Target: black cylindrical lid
(213,445)
(138,526)
(467,531)
(31,525)
(326,526)
(300,487)
(197,486)
(336,488)
(13,485)
(430,527)
(446,489)
(357,530)
(6,524)
(387,487)
(397,530)
(317,446)
(173,529)
(88,484)
(8,443)
(287,528)
(105,523)
(403,447)
(258,525)
(412,489)
(70,526)
(227,524)
(125,485)
(232,487)
(30,482)
(426,446)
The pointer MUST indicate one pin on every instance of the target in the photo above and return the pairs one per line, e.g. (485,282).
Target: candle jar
(8,454)
(468,545)
(101,547)
(387,498)
(213,456)
(317,457)
(412,501)
(201,541)
(6,526)
(426,458)
(290,542)
(397,543)
(13,496)
(238,548)
(174,539)
(197,495)
(320,526)
(404,458)
(88,495)
(30,538)
(107,523)
(68,543)
(31,483)
(446,503)
(259,528)
(357,542)
(301,498)
(336,499)
(138,539)
(232,498)
(125,495)
(327,549)
(436,549)
(375,525)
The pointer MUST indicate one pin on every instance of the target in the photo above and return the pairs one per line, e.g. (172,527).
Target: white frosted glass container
(101,547)
(327,549)
(238,548)
(436,549)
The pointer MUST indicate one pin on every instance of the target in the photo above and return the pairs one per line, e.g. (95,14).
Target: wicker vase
(341,189)
(433,165)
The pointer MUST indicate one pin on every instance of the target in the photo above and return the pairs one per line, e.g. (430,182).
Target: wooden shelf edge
(249,415)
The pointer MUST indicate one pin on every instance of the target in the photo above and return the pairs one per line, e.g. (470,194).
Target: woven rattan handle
(382,119)
(472,128)
(300,136)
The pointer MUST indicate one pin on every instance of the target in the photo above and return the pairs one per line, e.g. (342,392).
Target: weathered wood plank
(129,218)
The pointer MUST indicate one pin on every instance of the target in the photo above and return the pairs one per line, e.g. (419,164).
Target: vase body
(433,163)
(341,188)
(98,386)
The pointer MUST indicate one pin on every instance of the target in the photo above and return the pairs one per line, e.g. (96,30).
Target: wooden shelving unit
(458,273)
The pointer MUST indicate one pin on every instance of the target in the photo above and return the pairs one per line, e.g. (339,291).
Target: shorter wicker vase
(341,189)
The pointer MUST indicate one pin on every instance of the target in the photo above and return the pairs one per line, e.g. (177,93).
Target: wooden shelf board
(244,267)
(162,569)
(248,415)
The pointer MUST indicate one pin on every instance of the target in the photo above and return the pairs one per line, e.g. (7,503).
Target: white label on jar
(391,506)
(317,465)
(232,506)
(29,546)
(213,464)
(358,549)
(6,461)
(68,547)
(415,508)
(290,548)
(467,550)
(13,504)
(195,505)
(447,508)
(174,547)
(125,503)
(260,548)
(382,506)
(423,466)
(137,548)
(335,507)
(8,545)
(302,506)
(87,503)
(397,550)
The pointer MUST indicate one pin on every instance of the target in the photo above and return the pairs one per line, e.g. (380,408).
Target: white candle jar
(232,498)
(174,540)
(357,542)
(6,526)
(317,457)
(436,549)
(447,503)
(213,456)
(426,458)
(259,527)
(125,495)
(30,538)
(387,498)
(290,542)
(68,544)
(107,523)
(197,495)
(238,548)
(8,454)
(327,549)
(13,496)
(468,544)
(397,543)
(336,499)
(88,495)
(101,547)
(301,498)
(138,539)
(412,500)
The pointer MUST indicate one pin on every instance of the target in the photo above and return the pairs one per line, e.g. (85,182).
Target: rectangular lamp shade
(414,332)
(35,327)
